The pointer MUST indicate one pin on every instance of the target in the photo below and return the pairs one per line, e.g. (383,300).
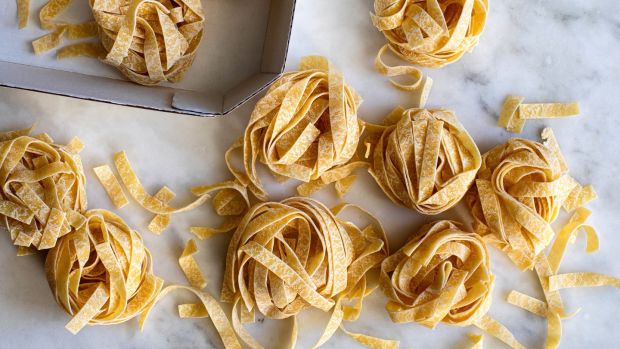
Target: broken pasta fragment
(101,272)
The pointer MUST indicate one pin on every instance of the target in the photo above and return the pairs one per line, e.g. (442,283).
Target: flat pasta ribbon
(305,125)
(518,193)
(423,159)
(430,33)
(291,255)
(514,113)
(101,273)
(442,274)
(58,29)
(42,189)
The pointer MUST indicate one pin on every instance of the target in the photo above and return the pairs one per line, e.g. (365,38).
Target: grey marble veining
(543,50)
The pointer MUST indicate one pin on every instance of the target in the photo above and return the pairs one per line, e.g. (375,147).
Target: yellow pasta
(190,266)
(111,185)
(423,159)
(101,272)
(518,193)
(295,254)
(230,199)
(150,41)
(442,275)
(42,189)
(23,10)
(426,33)
(58,30)
(303,127)
(514,113)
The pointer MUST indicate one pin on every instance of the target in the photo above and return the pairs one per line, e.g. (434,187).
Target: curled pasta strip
(441,275)
(518,193)
(101,272)
(304,126)
(291,255)
(423,159)
(42,189)
(150,41)
(430,33)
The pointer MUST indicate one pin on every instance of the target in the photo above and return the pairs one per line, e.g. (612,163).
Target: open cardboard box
(243,50)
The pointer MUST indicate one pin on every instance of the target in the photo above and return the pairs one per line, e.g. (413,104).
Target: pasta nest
(430,33)
(518,192)
(43,189)
(423,159)
(305,125)
(150,41)
(101,273)
(441,275)
(291,255)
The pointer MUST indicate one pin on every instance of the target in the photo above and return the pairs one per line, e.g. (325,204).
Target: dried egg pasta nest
(518,193)
(423,159)
(305,125)
(150,41)
(42,189)
(291,255)
(101,272)
(441,275)
(430,33)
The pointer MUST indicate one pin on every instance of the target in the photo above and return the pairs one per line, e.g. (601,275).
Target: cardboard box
(243,50)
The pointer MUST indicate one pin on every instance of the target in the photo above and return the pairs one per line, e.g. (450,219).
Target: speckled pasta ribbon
(291,255)
(442,275)
(150,41)
(423,159)
(42,189)
(58,29)
(430,33)
(304,126)
(101,272)
(518,193)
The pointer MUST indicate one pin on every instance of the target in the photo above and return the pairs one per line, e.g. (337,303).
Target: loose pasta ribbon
(305,125)
(42,189)
(423,159)
(101,273)
(291,255)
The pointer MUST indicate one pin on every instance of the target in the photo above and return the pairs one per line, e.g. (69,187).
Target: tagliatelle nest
(423,159)
(295,254)
(42,189)
(305,125)
(518,193)
(150,41)
(441,275)
(101,272)
(430,33)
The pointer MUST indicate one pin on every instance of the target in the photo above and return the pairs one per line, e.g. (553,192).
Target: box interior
(243,49)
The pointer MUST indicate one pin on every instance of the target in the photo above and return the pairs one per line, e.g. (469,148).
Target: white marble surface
(543,50)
